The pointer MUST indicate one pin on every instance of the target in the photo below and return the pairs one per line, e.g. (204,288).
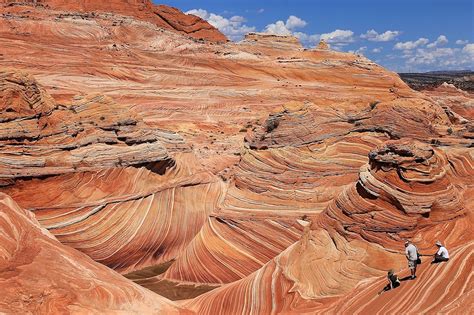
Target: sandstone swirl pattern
(325,270)
(85,149)
(42,276)
(253,178)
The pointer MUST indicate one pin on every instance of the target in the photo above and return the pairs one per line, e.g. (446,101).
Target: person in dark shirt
(393,281)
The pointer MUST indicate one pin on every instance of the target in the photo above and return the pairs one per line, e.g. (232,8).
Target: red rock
(42,276)
(246,145)
(112,169)
(161,15)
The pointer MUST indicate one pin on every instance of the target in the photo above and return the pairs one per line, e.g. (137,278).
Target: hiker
(393,281)
(411,252)
(441,255)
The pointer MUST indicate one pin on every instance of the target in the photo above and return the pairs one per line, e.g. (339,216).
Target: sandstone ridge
(161,15)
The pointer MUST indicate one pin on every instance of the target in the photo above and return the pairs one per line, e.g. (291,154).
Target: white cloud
(295,22)
(359,51)
(338,37)
(307,40)
(427,57)
(377,50)
(285,28)
(411,45)
(203,14)
(423,59)
(277,28)
(234,27)
(442,40)
(374,36)
(260,10)
(469,49)
(431,57)
(461,42)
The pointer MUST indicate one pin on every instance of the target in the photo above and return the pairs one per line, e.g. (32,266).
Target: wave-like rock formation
(338,263)
(406,186)
(91,134)
(301,160)
(293,284)
(130,195)
(40,275)
(257,177)
(443,288)
(162,16)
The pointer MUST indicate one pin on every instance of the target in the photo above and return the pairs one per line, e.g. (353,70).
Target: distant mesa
(273,40)
(429,80)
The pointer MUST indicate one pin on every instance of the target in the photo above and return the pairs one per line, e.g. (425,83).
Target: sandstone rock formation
(161,15)
(254,177)
(42,276)
(322,45)
(113,170)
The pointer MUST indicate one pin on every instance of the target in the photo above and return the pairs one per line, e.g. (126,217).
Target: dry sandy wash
(147,166)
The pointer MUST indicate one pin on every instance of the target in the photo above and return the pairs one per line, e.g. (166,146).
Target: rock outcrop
(112,169)
(273,41)
(162,16)
(322,45)
(250,177)
(42,276)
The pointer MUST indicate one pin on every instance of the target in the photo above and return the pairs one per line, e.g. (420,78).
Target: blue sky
(404,35)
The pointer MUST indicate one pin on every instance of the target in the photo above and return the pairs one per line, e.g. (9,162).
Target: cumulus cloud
(295,22)
(285,28)
(427,57)
(410,44)
(277,28)
(306,39)
(203,14)
(360,50)
(377,50)
(461,42)
(440,41)
(234,27)
(436,58)
(469,49)
(386,36)
(339,37)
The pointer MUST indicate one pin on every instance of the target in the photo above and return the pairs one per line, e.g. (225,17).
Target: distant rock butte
(252,177)
(161,15)
(322,45)
(273,41)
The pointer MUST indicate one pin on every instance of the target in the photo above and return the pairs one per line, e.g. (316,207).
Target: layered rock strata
(42,276)
(142,187)
(163,16)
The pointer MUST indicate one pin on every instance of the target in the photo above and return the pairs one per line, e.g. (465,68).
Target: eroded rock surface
(117,176)
(163,16)
(42,276)
(252,177)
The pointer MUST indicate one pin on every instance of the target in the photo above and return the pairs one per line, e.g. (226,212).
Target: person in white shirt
(441,255)
(411,252)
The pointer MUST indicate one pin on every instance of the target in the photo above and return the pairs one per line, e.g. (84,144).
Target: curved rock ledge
(42,276)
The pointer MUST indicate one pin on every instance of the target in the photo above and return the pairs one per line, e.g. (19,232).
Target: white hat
(438,243)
